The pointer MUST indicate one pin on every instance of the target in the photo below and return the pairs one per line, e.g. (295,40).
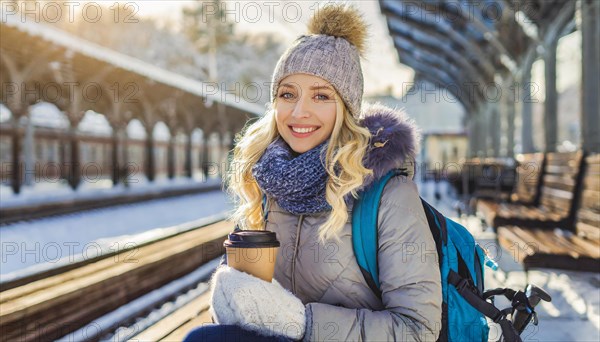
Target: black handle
(525,305)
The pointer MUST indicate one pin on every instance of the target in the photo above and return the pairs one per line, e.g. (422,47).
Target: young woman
(309,156)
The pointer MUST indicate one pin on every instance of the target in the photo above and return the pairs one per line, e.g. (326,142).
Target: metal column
(551,103)
(590,113)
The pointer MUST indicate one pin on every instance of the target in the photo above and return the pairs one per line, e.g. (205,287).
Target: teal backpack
(461,262)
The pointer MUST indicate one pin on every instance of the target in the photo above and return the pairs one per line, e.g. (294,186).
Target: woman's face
(305,111)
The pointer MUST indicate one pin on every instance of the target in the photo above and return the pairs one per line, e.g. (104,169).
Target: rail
(51,307)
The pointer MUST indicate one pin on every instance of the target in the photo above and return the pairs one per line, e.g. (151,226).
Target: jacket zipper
(296,253)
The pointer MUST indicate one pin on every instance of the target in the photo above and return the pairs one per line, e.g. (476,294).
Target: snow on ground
(46,242)
(48,191)
(572,315)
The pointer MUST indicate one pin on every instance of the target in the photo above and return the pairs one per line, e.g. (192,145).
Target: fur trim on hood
(394,140)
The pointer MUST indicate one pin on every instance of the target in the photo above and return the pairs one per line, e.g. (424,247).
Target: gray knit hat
(331,51)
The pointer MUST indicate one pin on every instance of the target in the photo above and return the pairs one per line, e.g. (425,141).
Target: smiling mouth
(303,130)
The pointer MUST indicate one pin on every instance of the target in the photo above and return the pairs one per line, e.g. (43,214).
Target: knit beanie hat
(331,50)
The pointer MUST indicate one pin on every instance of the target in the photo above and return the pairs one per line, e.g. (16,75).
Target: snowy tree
(205,23)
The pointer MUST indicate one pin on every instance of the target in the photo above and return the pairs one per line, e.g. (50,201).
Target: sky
(381,67)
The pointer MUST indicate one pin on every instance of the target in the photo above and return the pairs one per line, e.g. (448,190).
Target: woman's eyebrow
(318,87)
(286,85)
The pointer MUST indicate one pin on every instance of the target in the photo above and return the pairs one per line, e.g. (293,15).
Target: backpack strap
(364,230)
(478,300)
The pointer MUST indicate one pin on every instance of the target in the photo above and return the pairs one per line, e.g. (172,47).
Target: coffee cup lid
(252,239)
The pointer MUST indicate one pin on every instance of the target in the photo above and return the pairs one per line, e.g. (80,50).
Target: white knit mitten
(254,304)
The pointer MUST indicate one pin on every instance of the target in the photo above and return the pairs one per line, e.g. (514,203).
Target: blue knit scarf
(297,183)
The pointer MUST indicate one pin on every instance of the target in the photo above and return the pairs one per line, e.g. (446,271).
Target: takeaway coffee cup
(253,252)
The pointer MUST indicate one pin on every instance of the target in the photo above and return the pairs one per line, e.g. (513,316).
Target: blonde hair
(347,147)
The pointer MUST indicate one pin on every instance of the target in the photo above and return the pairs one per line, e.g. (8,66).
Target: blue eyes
(290,96)
(287,96)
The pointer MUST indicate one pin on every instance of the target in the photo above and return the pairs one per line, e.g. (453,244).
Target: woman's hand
(254,304)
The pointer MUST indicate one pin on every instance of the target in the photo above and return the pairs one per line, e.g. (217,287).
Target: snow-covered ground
(36,245)
(44,192)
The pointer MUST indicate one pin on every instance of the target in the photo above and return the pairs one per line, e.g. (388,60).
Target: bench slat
(562,157)
(561,243)
(591,199)
(592,247)
(542,248)
(588,231)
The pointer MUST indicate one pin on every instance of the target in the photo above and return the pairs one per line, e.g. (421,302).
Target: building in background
(440,117)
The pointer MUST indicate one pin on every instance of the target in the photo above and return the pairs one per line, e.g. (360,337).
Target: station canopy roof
(462,45)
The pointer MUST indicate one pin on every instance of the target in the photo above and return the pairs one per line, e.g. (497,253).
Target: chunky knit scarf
(297,183)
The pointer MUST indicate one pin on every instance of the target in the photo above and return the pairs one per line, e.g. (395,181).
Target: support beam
(551,103)
(527,112)
(150,162)
(486,138)
(171,156)
(485,123)
(495,129)
(205,157)
(189,165)
(16,179)
(29,153)
(75,164)
(509,114)
(126,171)
(116,166)
(590,113)
(472,124)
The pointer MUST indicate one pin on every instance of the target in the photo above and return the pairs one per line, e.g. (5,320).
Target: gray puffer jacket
(340,305)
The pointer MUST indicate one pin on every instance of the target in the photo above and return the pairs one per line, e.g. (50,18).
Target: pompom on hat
(331,50)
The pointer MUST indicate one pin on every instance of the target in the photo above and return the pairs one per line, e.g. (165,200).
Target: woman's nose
(302,108)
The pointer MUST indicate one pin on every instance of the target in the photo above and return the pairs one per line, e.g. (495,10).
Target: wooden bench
(476,176)
(526,190)
(494,178)
(561,181)
(563,248)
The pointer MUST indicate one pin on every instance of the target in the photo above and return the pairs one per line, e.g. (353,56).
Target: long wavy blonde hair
(347,146)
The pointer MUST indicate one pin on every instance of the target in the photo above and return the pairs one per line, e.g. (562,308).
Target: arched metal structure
(466,46)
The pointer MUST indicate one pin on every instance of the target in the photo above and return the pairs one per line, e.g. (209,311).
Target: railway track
(175,326)
(43,210)
(70,299)
(182,306)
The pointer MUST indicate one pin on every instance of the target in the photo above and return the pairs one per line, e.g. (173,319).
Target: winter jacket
(340,306)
